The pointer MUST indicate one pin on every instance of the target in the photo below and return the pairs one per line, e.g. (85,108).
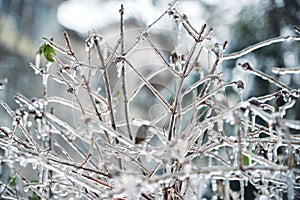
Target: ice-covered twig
(247,67)
(284,71)
(260,45)
(153,90)
(124,86)
(107,86)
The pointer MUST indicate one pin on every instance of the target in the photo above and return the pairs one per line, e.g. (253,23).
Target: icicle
(214,185)
(48,64)
(73,73)
(99,89)
(253,146)
(240,87)
(227,188)
(209,161)
(270,152)
(242,192)
(180,64)
(9,154)
(297,154)
(34,164)
(253,117)
(37,62)
(271,129)
(275,154)
(174,60)
(104,51)
(208,113)
(45,79)
(23,161)
(29,124)
(41,174)
(220,124)
(82,71)
(26,188)
(93,72)
(119,68)
(234,154)
(290,184)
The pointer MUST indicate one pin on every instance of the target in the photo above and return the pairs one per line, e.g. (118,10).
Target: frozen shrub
(122,130)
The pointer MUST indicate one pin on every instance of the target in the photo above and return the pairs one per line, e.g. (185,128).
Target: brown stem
(126,110)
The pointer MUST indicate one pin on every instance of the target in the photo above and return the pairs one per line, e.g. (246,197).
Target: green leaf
(48,51)
(12,181)
(41,49)
(34,197)
(245,160)
(34,181)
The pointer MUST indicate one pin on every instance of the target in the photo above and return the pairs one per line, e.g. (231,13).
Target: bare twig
(107,86)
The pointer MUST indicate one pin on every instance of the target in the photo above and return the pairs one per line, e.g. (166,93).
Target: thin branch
(162,58)
(140,86)
(177,99)
(260,45)
(239,138)
(70,52)
(107,86)
(173,4)
(284,71)
(153,90)
(247,67)
(126,109)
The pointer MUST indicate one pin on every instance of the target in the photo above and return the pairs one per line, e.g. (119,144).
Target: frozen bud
(246,66)
(171,12)
(208,43)
(143,36)
(17,121)
(2,84)
(173,15)
(280,101)
(174,57)
(240,85)
(71,90)
(254,102)
(118,59)
(96,38)
(91,40)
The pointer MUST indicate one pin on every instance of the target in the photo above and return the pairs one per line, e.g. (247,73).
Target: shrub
(170,131)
